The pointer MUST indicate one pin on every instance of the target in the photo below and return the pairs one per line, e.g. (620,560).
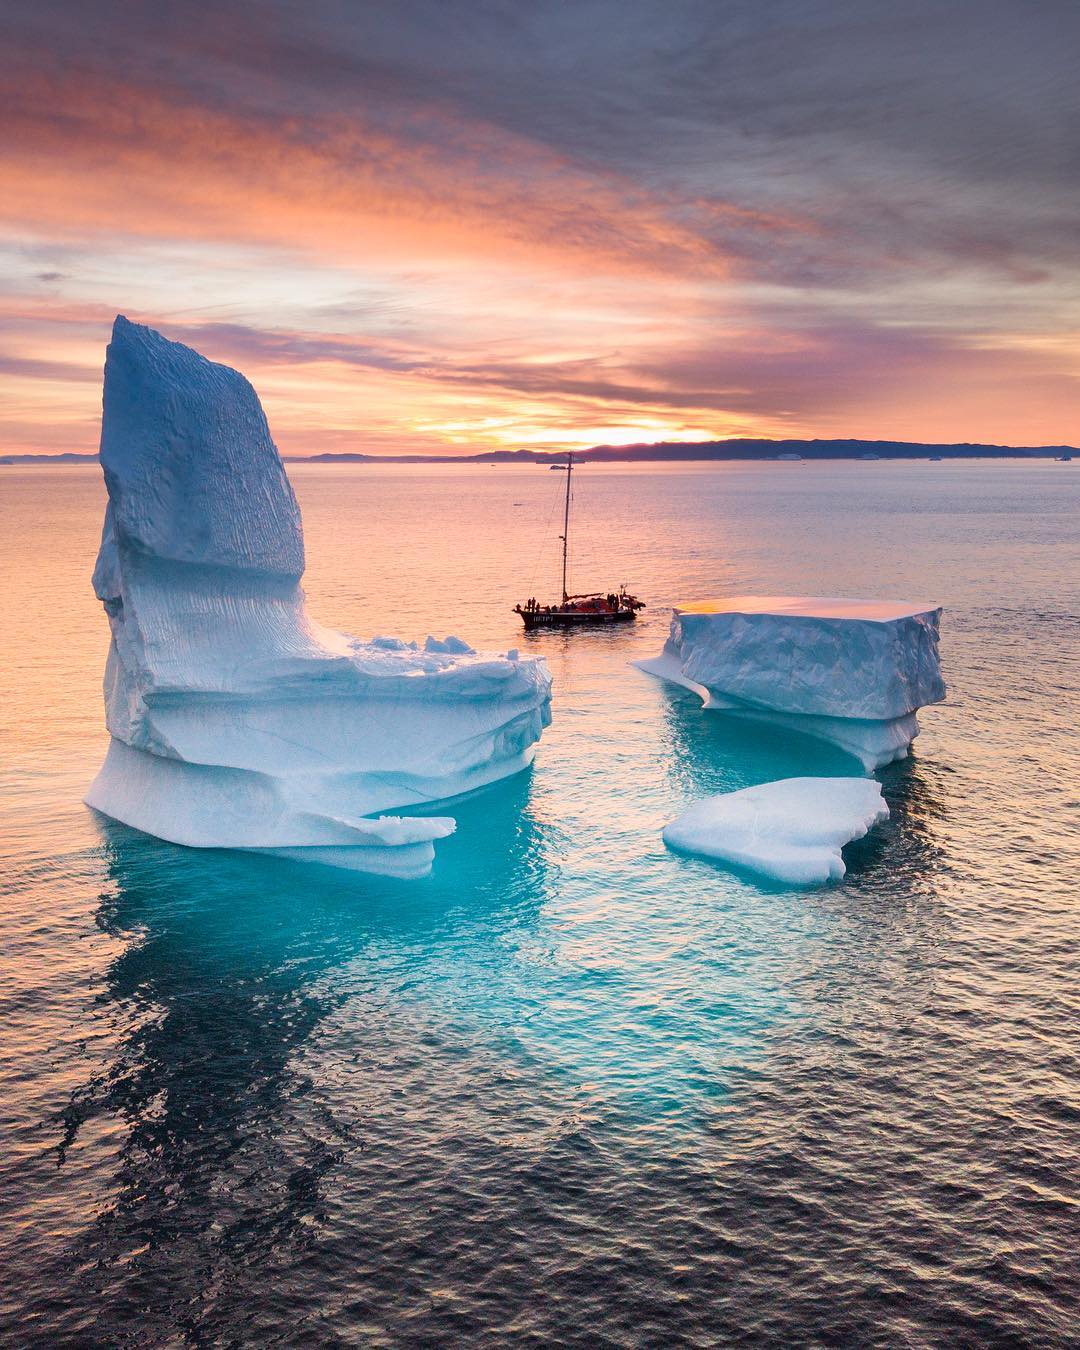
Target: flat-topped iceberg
(791,830)
(236,721)
(852,672)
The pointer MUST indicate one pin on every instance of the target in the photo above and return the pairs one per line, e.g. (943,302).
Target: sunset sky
(455,225)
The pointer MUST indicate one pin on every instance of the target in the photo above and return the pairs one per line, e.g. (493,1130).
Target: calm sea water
(572,1089)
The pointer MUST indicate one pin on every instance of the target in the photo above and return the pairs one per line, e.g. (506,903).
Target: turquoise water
(571,1088)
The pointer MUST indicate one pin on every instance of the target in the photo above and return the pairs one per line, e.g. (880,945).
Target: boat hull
(573,618)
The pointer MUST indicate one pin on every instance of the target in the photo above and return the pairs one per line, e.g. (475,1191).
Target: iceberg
(851,672)
(791,830)
(235,720)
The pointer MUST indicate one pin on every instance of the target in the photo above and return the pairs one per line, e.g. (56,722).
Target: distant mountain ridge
(661,451)
(668,451)
(68,457)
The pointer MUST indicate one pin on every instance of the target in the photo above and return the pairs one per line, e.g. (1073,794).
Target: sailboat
(575,611)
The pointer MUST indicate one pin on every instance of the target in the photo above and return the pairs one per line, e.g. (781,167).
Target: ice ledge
(209,806)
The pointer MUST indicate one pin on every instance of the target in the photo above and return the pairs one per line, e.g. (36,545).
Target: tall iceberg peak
(236,722)
(192,472)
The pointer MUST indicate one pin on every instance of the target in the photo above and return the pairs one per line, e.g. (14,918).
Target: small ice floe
(791,830)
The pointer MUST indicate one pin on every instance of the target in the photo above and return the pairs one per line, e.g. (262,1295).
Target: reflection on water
(909,843)
(712,751)
(232,964)
(212,997)
(272,1019)
(238,946)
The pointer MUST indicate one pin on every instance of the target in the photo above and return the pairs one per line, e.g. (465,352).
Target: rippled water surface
(571,1089)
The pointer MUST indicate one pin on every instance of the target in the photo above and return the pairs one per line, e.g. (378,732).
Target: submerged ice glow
(236,721)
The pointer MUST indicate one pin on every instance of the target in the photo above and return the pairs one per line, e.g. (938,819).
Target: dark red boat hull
(562,618)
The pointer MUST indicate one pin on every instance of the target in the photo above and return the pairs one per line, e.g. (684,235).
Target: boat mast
(566,522)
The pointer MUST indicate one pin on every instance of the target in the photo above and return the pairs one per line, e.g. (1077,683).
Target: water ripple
(573,1089)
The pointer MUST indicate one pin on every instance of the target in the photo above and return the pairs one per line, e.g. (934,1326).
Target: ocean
(572,1089)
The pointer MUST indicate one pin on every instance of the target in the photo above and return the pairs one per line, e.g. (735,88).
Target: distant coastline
(67,458)
(669,452)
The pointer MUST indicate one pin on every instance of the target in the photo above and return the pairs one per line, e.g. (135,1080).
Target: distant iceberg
(851,672)
(791,830)
(236,720)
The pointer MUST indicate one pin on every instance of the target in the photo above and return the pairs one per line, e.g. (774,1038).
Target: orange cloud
(84,155)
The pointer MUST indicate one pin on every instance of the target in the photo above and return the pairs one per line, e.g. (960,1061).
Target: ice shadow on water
(712,752)
(232,966)
(908,844)
(866,943)
(274,1022)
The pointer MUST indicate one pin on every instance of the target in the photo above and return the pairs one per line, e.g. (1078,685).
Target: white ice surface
(238,722)
(851,672)
(791,830)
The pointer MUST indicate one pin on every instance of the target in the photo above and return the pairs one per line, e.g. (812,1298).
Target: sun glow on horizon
(639,433)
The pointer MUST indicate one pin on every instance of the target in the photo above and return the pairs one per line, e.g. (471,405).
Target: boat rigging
(577,610)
